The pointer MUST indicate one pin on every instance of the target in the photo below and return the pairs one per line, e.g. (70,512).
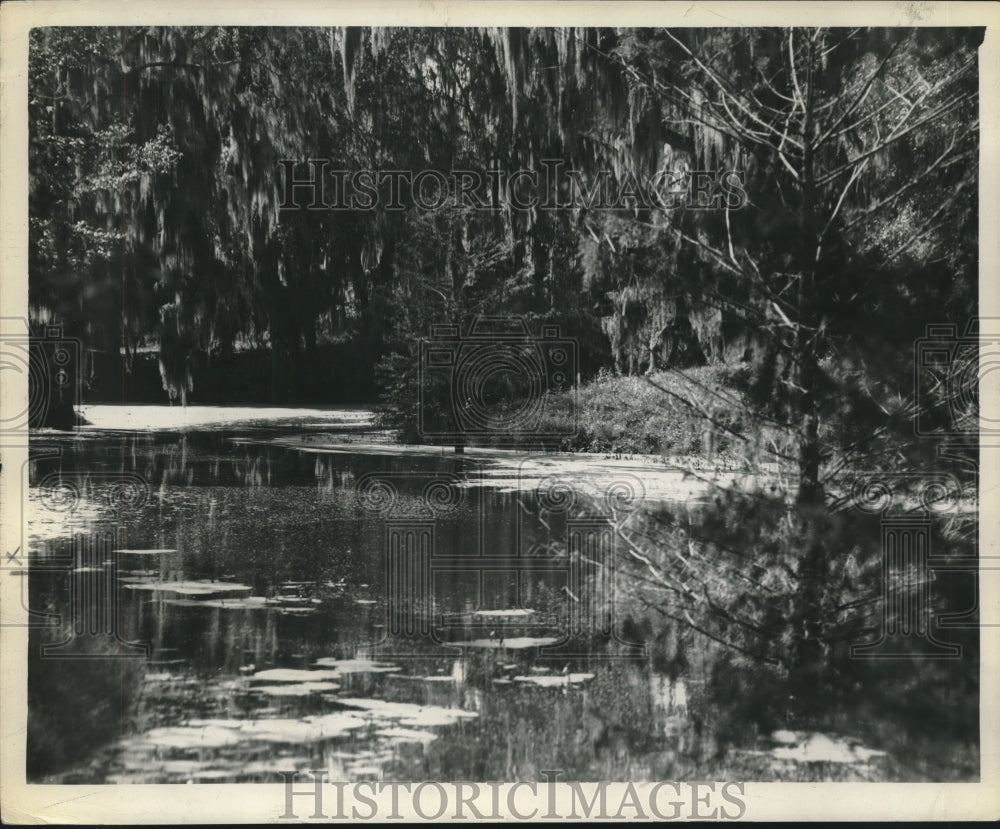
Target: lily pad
(187,588)
(821,748)
(558,680)
(293,675)
(356,666)
(296,689)
(514,643)
(409,713)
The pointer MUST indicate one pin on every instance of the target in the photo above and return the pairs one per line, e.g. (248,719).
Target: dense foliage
(156,184)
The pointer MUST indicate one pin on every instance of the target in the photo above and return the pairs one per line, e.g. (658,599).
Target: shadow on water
(257,578)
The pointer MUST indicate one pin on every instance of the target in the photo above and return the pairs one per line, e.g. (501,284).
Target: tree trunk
(810,498)
(810,489)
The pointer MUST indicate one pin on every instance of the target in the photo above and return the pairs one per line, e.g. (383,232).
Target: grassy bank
(666,413)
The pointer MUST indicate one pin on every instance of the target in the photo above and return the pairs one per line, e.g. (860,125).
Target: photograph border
(21,802)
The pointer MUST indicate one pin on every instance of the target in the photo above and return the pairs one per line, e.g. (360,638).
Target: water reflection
(257,579)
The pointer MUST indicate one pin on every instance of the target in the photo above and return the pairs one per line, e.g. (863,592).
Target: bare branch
(826,178)
(855,175)
(799,101)
(862,94)
(725,90)
(914,181)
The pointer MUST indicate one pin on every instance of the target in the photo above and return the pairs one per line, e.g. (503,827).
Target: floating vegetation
(410,713)
(514,643)
(516,611)
(280,604)
(556,681)
(192,736)
(281,730)
(247,603)
(802,747)
(297,689)
(407,735)
(437,678)
(244,695)
(186,588)
(294,675)
(356,666)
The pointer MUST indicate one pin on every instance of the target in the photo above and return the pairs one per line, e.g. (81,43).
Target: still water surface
(231,592)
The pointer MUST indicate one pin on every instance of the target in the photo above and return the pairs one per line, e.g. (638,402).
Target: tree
(860,153)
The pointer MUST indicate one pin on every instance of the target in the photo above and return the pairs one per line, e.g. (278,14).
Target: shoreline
(149,417)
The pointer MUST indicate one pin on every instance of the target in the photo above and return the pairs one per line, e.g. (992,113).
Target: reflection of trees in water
(727,575)
(734,557)
(75,706)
